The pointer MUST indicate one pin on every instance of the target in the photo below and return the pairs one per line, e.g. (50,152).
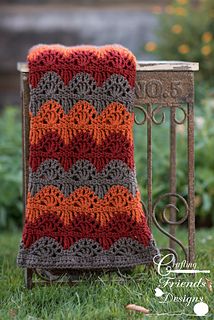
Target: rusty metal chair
(160,86)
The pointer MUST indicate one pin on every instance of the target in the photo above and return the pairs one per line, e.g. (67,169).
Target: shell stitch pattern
(83,206)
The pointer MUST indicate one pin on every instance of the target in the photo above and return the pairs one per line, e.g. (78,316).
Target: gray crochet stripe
(81,174)
(85,254)
(81,87)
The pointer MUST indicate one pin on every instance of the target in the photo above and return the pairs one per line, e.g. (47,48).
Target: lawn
(103,297)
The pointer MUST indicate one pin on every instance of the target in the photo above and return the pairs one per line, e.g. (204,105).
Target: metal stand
(160,86)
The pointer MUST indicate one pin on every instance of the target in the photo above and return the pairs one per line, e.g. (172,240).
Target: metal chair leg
(28,278)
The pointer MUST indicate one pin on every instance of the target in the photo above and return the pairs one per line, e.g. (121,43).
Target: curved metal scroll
(144,208)
(49,275)
(160,109)
(170,205)
(144,111)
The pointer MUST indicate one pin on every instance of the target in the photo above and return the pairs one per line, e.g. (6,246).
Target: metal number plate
(164,87)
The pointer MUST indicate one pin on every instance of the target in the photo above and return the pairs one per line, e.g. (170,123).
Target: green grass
(101,298)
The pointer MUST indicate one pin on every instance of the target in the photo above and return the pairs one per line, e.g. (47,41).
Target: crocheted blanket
(83,206)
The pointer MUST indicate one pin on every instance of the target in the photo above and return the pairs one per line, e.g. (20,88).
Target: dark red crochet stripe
(84,226)
(81,147)
(68,66)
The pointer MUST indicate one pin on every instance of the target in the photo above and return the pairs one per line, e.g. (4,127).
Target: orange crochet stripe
(83,200)
(37,52)
(82,117)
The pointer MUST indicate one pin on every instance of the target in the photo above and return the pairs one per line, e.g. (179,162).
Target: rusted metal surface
(170,205)
(146,66)
(191,188)
(25,98)
(157,92)
(149,164)
(160,87)
(172,228)
(29,278)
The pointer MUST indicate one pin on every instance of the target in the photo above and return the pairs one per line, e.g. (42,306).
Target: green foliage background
(10,169)
(11,165)
(185,32)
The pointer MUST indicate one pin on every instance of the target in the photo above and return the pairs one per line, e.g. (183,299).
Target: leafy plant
(204,164)
(10,169)
(186,32)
